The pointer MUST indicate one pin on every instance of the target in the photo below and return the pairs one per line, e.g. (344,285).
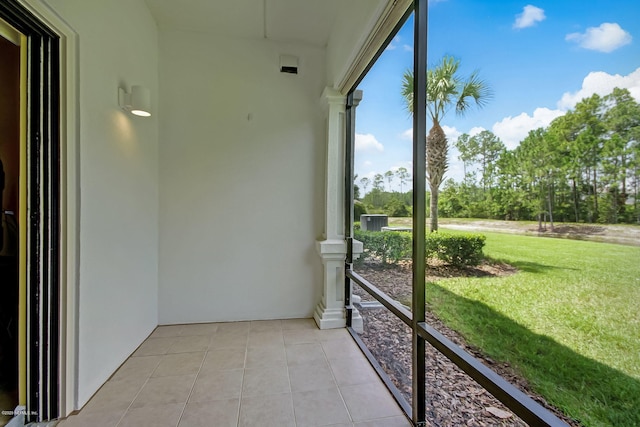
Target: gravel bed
(453,398)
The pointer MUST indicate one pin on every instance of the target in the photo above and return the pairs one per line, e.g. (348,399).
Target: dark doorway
(9,214)
(38,251)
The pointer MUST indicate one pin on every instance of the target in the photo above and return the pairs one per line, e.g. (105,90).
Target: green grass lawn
(568,321)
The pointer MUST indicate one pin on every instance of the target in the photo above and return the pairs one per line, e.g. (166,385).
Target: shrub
(393,246)
(455,249)
(388,246)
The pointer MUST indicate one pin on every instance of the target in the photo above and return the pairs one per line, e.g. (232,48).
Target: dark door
(9,214)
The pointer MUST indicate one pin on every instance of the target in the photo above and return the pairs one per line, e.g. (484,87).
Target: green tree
(365,183)
(378,182)
(510,196)
(589,142)
(389,175)
(396,208)
(565,130)
(487,150)
(622,122)
(467,152)
(378,188)
(356,189)
(403,175)
(446,89)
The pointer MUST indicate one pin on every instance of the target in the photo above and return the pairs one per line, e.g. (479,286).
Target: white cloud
(605,38)
(455,170)
(407,134)
(603,84)
(529,17)
(408,165)
(512,130)
(367,142)
(475,130)
(393,44)
(407,48)
(368,163)
(451,133)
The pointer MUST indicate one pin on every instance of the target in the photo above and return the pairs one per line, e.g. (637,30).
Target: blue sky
(539,59)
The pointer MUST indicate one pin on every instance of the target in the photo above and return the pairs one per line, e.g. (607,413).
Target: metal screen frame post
(348,202)
(419,208)
(353,100)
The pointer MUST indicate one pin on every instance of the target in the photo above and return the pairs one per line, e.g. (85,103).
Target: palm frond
(407,89)
(474,89)
(446,89)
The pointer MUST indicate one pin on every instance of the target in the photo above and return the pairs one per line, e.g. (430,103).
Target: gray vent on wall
(289,64)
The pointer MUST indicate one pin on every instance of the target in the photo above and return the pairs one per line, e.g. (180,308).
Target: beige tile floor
(265,373)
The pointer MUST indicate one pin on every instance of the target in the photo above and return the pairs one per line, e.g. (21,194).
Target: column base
(329,318)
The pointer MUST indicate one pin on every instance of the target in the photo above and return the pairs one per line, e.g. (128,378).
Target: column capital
(332,96)
(357,97)
(332,249)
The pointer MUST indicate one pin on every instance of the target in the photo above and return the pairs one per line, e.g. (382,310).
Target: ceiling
(305,21)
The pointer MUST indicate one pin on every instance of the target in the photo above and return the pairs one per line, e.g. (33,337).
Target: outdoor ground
(624,234)
(453,398)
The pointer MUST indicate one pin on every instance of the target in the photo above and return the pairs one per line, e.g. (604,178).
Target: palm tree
(445,89)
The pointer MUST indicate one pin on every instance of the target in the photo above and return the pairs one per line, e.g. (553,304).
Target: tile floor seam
(192,387)
(134,398)
(244,374)
(293,406)
(137,394)
(335,380)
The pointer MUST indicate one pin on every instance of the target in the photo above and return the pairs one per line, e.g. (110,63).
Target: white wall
(119,185)
(241,179)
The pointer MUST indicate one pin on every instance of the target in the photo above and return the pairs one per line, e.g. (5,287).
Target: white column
(330,312)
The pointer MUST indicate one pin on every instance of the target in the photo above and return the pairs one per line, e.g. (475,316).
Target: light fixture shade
(140,101)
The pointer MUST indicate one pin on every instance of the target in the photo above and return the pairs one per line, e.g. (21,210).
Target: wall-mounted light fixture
(138,102)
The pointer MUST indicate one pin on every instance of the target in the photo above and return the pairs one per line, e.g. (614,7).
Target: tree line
(378,200)
(583,167)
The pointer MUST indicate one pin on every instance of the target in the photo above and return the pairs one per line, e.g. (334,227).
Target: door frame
(66,210)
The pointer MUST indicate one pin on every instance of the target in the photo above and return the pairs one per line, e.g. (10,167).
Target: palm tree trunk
(436,166)
(433,209)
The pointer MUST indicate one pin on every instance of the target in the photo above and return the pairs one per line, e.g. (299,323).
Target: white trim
(69,200)
(374,35)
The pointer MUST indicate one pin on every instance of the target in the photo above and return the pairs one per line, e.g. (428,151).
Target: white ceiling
(306,21)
